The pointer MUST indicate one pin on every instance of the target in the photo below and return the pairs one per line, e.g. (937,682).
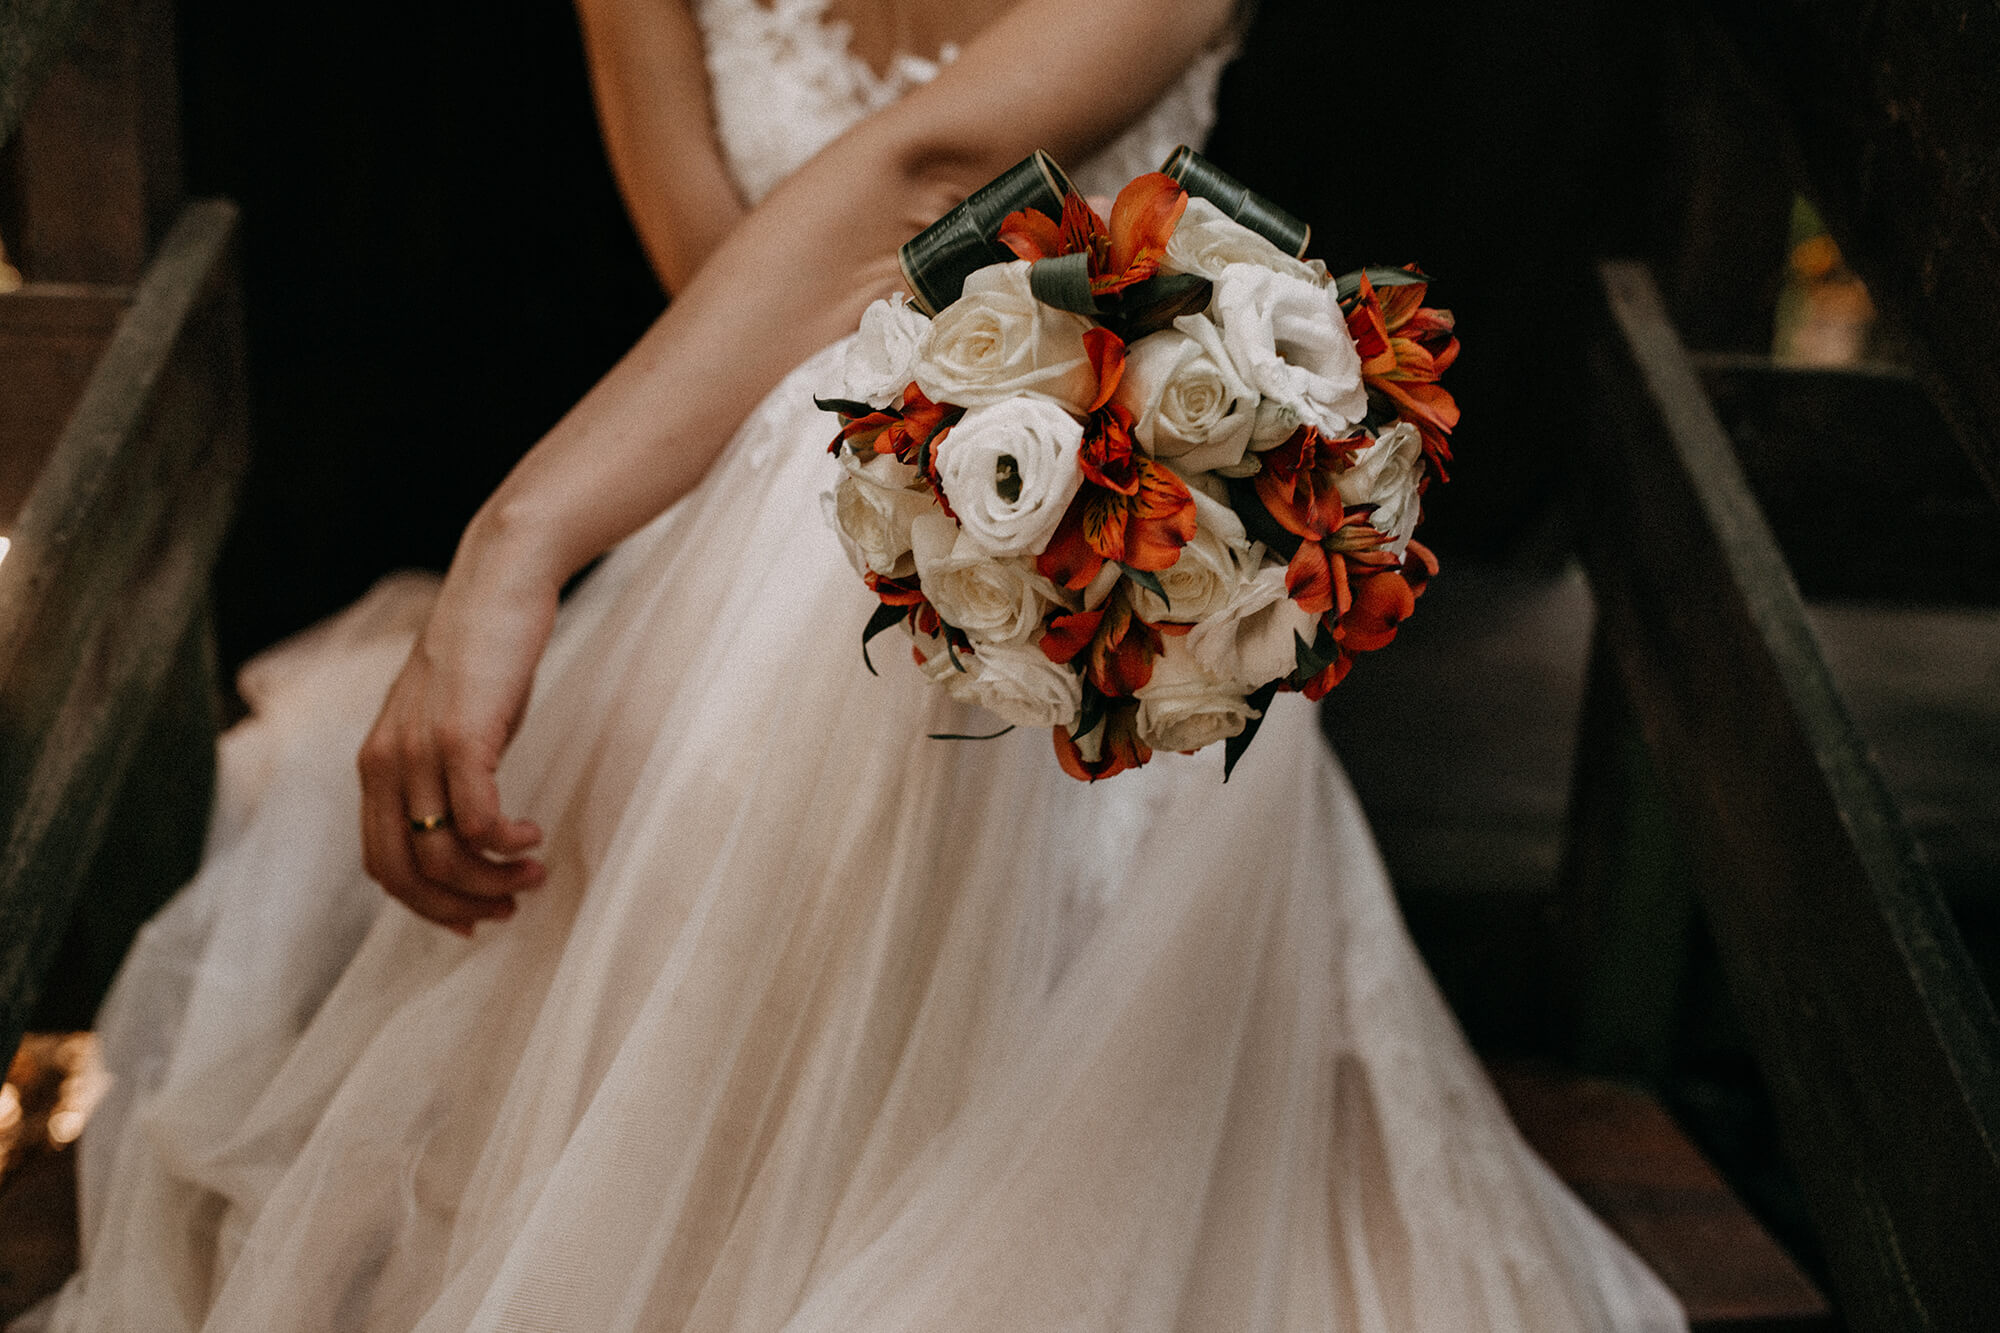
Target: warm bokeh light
(1824,315)
(6,545)
(55,1082)
(65,1126)
(10,277)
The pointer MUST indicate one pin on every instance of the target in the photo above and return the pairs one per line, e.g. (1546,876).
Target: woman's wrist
(510,545)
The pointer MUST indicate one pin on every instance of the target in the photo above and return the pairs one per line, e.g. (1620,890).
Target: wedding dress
(818,1024)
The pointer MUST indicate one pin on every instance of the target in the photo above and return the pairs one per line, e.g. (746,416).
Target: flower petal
(1070,634)
(1068,559)
(1381,602)
(1143,218)
(1309,579)
(1031,234)
(1107,357)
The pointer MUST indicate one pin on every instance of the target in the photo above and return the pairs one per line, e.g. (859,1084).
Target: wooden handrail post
(1876,1038)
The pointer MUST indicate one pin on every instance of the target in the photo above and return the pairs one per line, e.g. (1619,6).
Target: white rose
(1187,400)
(881,358)
(995,600)
(1009,471)
(997,342)
(1183,707)
(872,508)
(1210,567)
(1207,241)
(1249,638)
(1289,342)
(1018,684)
(1385,474)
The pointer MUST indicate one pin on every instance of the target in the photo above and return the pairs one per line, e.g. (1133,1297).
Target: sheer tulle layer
(818,1024)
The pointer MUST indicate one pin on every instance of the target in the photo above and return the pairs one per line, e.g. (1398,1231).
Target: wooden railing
(123,435)
(1717,749)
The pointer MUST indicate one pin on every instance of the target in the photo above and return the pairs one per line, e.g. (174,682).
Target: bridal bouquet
(1129,479)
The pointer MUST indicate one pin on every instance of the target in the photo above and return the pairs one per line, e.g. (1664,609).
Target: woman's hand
(432,830)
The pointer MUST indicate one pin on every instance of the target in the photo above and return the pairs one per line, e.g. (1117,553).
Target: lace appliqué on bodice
(785,84)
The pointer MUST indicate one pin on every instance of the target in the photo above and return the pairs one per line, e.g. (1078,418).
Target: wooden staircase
(123,434)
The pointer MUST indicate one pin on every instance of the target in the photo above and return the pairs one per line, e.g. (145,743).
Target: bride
(753,1007)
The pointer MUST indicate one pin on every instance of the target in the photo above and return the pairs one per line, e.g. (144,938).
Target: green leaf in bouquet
(1233,748)
(846,407)
(1091,715)
(951,651)
(1382,413)
(1379,275)
(1150,581)
(1315,657)
(1064,282)
(937,261)
(885,616)
(1257,520)
(1149,306)
(1203,179)
(959,736)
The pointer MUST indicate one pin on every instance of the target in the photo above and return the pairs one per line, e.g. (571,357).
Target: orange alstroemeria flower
(900,431)
(1404,346)
(1119,749)
(1331,675)
(1297,481)
(1381,598)
(1297,486)
(1382,601)
(1117,643)
(908,593)
(911,433)
(1130,508)
(1129,250)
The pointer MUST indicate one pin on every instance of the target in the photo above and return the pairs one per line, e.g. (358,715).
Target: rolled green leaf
(1202,178)
(1064,282)
(1149,306)
(938,260)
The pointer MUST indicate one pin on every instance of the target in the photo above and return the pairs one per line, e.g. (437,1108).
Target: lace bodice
(785,84)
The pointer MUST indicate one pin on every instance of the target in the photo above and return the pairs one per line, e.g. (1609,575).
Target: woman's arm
(791,277)
(651,87)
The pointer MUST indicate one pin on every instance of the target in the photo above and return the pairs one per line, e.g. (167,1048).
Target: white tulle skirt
(817,1025)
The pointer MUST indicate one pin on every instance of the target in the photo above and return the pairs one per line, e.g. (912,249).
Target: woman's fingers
(474,798)
(447,863)
(389,857)
(450,836)
(410,843)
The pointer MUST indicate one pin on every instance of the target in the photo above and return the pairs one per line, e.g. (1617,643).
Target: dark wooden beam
(95,163)
(33,36)
(1847,463)
(1880,1047)
(1895,111)
(109,568)
(51,335)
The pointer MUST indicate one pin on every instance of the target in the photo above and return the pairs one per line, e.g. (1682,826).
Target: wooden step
(1624,1156)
